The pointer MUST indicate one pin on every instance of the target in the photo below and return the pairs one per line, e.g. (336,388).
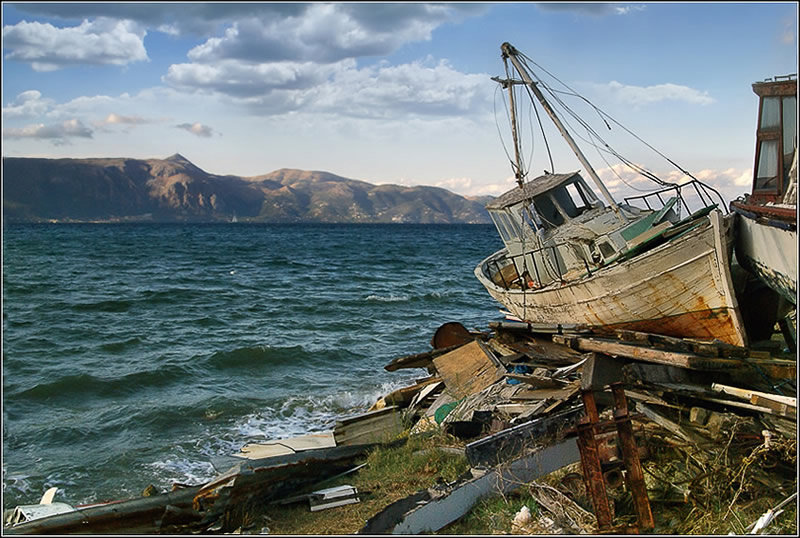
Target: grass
(390,474)
(493,514)
(714,491)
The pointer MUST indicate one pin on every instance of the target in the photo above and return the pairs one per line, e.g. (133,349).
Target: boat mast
(518,162)
(511,53)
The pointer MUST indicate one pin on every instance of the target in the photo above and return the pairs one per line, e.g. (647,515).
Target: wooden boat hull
(682,288)
(767,247)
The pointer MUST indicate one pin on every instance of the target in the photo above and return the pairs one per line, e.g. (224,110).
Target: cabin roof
(779,86)
(532,188)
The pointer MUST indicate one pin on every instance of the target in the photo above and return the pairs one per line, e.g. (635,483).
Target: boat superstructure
(650,263)
(767,216)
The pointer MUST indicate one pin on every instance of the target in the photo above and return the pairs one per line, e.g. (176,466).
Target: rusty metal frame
(591,463)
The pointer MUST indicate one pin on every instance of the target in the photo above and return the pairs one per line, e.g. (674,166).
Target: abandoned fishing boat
(651,263)
(766,243)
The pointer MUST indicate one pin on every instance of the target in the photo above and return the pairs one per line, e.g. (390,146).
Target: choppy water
(136,354)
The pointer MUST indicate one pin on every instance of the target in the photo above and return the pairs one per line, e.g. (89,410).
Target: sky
(396,93)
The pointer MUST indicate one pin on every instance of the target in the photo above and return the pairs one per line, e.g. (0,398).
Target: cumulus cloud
(98,42)
(28,104)
(242,79)
(326,33)
(58,132)
(114,119)
(422,88)
(315,21)
(198,18)
(197,129)
(645,95)
(730,183)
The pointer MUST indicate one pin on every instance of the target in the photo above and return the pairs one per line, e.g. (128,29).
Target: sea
(141,354)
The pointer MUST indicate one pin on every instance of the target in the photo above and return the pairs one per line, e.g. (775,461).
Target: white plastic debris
(522,518)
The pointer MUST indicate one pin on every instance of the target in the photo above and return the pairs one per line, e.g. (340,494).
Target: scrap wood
(287,446)
(404,395)
(747,394)
(537,381)
(768,367)
(566,512)
(564,393)
(784,406)
(546,352)
(418,360)
(485,400)
(637,352)
(468,369)
(699,392)
(669,425)
(379,426)
(508,444)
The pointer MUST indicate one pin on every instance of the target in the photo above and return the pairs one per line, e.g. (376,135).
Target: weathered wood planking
(379,426)
(773,367)
(467,370)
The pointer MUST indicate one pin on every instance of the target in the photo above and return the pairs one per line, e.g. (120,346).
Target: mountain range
(175,190)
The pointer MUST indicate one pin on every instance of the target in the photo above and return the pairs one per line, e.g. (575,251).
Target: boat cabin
(776,137)
(554,225)
(541,206)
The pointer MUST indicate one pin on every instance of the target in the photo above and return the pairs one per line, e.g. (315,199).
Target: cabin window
(505,225)
(789,126)
(579,202)
(588,195)
(606,249)
(767,172)
(511,226)
(548,211)
(498,223)
(771,113)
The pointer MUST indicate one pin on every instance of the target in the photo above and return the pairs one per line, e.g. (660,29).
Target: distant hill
(174,189)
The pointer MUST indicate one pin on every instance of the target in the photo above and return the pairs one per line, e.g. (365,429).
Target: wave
(391,298)
(109,305)
(258,356)
(83,386)
(120,347)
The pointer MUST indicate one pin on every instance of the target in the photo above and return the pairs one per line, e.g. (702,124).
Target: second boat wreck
(650,264)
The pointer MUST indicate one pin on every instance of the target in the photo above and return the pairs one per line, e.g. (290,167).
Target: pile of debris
(526,401)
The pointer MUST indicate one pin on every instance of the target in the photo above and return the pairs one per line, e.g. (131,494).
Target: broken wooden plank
(468,369)
(404,395)
(291,445)
(669,425)
(379,426)
(418,360)
(537,381)
(781,408)
(546,352)
(747,394)
(428,392)
(511,442)
(648,354)
(546,394)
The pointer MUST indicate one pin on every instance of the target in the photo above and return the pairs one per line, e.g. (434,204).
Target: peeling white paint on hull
(770,253)
(682,288)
